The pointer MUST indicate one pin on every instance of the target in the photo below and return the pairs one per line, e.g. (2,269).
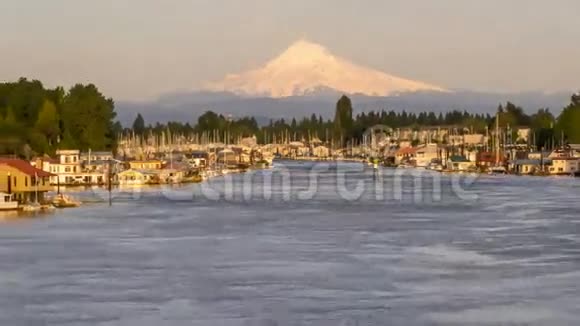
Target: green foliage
(10,118)
(542,124)
(569,121)
(343,122)
(47,124)
(88,116)
(210,121)
(139,125)
(35,119)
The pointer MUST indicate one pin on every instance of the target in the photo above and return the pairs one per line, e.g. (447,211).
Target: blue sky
(139,49)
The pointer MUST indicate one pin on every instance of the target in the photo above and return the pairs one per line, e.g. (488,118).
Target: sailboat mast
(497,140)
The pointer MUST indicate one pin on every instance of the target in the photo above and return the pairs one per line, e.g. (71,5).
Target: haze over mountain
(307,68)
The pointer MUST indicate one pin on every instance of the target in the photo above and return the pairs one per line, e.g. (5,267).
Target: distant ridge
(306,68)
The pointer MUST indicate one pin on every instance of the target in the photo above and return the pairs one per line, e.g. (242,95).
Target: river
(302,245)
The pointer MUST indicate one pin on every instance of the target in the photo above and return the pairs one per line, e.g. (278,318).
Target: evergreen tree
(139,125)
(569,121)
(343,122)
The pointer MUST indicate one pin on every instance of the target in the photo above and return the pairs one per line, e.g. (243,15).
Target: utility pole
(110,182)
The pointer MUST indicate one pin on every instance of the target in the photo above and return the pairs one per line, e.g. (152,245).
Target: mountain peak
(306,67)
(302,52)
(304,47)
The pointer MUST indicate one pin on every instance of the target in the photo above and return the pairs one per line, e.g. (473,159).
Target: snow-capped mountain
(306,68)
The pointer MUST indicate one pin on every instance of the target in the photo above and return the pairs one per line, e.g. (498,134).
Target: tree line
(37,120)
(346,127)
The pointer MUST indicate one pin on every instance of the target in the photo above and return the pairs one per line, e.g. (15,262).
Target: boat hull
(9,206)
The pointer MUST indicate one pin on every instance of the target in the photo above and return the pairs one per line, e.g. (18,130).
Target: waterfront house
(489,159)
(89,157)
(460,163)
(24,182)
(171,175)
(198,159)
(175,172)
(138,177)
(406,154)
(426,154)
(68,161)
(146,165)
(528,166)
(227,157)
(564,166)
(68,169)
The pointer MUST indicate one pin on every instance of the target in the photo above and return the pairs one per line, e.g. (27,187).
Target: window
(67,169)
(74,158)
(15,183)
(560,169)
(67,159)
(26,181)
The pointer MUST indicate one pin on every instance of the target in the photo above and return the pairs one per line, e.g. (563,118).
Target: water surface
(510,254)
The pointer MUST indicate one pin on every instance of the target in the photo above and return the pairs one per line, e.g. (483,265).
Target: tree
(508,119)
(10,119)
(88,117)
(210,122)
(343,122)
(569,121)
(47,123)
(139,125)
(11,134)
(542,124)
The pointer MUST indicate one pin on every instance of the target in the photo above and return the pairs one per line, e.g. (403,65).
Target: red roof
(406,151)
(25,167)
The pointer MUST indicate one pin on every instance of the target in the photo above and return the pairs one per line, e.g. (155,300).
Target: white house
(426,154)
(90,157)
(67,170)
(564,166)
(460,163)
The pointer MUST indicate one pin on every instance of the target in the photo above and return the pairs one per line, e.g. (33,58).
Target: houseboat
(7,203)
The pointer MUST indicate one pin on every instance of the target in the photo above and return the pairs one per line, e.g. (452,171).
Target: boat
(64,201)
(406,165)
(434,167)
(497,170)
(7,203)
(36,207)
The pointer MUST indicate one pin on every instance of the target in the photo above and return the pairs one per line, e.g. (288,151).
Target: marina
(178,257)
(300,163)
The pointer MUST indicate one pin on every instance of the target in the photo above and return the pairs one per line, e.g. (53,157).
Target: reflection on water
(510,256)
